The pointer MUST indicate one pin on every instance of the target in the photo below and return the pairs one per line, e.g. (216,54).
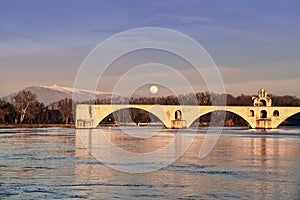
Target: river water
(244,164)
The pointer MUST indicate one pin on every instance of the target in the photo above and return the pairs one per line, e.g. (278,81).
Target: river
(53,163)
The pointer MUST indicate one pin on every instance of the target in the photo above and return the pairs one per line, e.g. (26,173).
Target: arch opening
(178,115)
(276,113)
(263,114)
(293,120)
(231,119)
(131,116)
(251,113)
(262,102)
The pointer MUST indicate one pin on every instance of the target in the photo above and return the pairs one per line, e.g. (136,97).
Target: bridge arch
(102,112)
(125,115)
(284,118)
(240,115)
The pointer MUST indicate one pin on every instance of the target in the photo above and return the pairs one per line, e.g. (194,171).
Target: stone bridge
(261,115)
(182,116)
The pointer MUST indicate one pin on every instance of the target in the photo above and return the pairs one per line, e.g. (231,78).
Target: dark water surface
(245,164)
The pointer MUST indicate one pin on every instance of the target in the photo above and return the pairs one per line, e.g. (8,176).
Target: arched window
(178,114)
(251,113)
(262,102)
(263,114)
(276,113)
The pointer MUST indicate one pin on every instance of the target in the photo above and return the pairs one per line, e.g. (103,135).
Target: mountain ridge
(54,93)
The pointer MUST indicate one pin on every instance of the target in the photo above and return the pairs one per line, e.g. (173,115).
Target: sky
(254,43)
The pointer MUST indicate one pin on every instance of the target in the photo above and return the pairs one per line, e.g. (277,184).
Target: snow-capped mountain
(48,95)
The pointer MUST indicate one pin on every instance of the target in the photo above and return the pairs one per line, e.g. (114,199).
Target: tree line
(200,98)
(24,108)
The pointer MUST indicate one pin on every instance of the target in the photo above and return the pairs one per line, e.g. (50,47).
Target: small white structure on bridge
(261,115)
(262,99)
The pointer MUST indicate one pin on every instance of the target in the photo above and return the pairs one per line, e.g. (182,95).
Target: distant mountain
(48,95)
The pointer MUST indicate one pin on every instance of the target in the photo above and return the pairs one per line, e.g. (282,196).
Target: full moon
(153,89)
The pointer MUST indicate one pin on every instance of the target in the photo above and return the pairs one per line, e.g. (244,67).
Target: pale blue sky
(254,43)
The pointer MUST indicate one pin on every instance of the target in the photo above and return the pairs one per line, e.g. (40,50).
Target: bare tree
(24,103)
(65,108)
(2,110)
(7,112)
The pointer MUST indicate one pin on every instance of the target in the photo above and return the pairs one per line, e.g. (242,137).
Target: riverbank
(2,126)
(200,124)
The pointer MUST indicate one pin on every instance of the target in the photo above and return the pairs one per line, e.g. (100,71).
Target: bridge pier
(178,124)
(264,124)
